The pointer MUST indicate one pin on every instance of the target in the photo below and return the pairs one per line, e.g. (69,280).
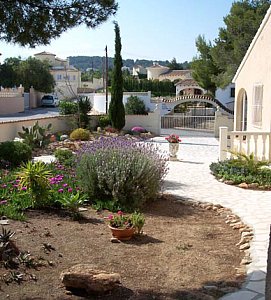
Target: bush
(84,108)
(80,134)
(138,129)
(120,172)
(67,107)
(243,169)
(65,157)
(104,121)
(135,106)
(15,152)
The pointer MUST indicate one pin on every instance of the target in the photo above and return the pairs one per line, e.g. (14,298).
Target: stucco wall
(9,105)
(9,130)
(98,100)
(151,122)
(224,95)
(256,69)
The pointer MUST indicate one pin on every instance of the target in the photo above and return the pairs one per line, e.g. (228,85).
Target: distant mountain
(97,62)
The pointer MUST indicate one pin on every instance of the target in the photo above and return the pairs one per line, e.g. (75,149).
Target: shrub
(80,134)
(15,152)
(67,107)
(104,121)
(242,170)
(120,170)
(36,136)
(35,177)
(65,157)
(138,129)
(84,108)
(135,106)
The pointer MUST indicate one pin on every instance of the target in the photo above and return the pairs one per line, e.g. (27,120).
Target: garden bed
(186,252)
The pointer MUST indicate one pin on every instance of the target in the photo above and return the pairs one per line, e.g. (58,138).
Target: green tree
(233,41)
(203,67)
(36,73)
(173,65)
(135,106)
(116,107)
(9,72)
(32,23)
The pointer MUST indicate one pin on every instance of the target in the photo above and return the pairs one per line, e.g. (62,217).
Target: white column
(223,136)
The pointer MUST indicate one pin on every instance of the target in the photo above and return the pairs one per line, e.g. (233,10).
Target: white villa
(67,77)
(252,117)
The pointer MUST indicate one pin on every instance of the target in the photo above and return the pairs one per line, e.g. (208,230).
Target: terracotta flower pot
(122,234)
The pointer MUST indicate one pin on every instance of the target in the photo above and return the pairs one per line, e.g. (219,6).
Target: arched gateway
(192,121)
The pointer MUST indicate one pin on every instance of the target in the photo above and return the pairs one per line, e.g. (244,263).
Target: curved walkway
(190,178)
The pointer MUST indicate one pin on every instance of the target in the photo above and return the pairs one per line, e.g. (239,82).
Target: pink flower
(69,190)
(24,188)
(110,217)
(3,202)
(64,184)
(120,213)
(60,190)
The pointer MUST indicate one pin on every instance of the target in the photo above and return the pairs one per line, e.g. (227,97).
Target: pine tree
(116,107)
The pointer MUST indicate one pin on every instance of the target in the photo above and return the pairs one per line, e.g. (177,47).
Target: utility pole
(106,81)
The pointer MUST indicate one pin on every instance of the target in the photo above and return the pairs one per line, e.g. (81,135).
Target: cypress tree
(116,107)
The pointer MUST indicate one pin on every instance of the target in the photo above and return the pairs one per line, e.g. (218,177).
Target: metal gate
(188,122)
(26,100)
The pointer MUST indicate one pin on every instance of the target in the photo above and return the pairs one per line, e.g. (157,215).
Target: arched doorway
(241,111)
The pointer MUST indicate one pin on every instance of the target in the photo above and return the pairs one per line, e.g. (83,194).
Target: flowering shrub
(136,220)
(124,171)
(173,138)
(138,129)
(120,220)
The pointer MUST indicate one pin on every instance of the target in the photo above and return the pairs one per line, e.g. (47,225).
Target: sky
(149,29)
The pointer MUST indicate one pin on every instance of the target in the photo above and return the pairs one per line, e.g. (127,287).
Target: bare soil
(183,249)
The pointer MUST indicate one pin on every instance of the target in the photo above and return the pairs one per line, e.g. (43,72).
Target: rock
(84,276)
(253,185)
(243,185)
(64,137)
(244,246)
(246,234)
(246,260)
(228,289)
(230,182)
(114,240)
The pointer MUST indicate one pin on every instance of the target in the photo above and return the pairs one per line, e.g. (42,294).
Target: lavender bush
(123,171)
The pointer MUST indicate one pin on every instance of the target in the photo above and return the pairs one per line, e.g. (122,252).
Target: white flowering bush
(123,172)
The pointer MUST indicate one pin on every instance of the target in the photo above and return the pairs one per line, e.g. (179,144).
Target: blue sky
(150,29)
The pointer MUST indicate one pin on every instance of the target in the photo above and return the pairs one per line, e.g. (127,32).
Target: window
(232,92)
(74,77)
(257,105)
(58,77)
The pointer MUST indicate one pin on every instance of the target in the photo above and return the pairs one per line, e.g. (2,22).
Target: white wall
(224,95)
(9,130)
(98,100)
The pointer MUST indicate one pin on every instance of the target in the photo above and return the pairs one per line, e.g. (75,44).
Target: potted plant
(123,226)
(173,140)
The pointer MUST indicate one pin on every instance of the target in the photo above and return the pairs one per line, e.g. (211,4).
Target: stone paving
(190,178)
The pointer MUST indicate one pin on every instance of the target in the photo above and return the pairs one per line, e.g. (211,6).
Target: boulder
(84,276)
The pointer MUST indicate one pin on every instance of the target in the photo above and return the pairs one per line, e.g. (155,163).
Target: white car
(49,100)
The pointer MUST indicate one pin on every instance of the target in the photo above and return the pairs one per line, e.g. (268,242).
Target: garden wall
(9,129)
(11,100)
(151,122)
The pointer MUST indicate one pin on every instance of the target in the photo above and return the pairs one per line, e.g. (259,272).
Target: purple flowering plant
(128,172)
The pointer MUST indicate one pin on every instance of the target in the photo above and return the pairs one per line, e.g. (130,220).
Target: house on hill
(252,117)
(67,77)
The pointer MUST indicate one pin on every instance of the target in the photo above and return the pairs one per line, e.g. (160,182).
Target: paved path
(190,178)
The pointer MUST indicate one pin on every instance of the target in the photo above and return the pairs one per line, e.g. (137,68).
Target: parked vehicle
(49,100)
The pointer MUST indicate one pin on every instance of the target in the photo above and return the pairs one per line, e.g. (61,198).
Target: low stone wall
(9,130)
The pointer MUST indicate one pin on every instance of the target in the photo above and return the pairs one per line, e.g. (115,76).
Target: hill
(97,62)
